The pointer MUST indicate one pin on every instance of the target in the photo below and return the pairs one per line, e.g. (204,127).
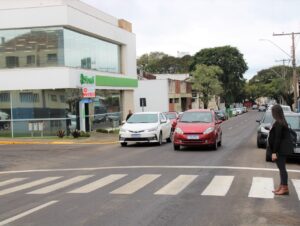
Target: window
(53,98)
(52,58)
(29,97)
(62,98)
(171,101)
(12,61)
(176,100)
(4,97)
(30,59)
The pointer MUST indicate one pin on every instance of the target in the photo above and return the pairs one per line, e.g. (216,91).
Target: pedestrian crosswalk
(219,185)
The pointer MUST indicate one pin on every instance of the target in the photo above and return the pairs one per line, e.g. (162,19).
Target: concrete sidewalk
(95,138)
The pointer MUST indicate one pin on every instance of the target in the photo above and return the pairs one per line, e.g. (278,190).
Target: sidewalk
(95,138)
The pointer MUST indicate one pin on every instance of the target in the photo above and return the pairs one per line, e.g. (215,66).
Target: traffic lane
(187,208)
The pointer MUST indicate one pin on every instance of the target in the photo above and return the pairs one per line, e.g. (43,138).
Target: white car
(151,127)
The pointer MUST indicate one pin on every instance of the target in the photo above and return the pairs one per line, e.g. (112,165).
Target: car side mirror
(258,120)
(267,128)
(218,121)
(123,122)
(174,124)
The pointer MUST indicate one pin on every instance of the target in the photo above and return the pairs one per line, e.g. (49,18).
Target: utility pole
(295,77)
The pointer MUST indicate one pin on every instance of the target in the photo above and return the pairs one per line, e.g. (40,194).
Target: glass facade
(57,46)
(44,112)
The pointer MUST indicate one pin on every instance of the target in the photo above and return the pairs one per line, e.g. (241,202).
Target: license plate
(193,137)
(136,135)
(297,150)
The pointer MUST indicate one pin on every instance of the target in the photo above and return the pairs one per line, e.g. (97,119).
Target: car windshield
(293,121)
(196,117)
(143,118)
(286,108)
(171,115)
(267,118)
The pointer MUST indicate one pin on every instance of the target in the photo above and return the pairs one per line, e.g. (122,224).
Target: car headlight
(123,130)
(178,130)
(209,130)
(263,130)
(152,129)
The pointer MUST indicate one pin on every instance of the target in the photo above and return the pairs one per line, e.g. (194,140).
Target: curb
(55,142)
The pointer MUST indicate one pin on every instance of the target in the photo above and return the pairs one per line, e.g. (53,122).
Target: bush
(84,134)
(75,133)
(60,133)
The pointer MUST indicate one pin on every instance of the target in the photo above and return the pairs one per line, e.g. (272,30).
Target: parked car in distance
(221,115)
(293,120)
(198,127)
(262,108)
(172,116)
(254,106)
(150,127)
(262,132)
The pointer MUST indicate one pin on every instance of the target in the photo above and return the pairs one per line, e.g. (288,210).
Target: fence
(50,126)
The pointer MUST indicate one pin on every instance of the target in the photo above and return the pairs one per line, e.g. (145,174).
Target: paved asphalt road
(61,185)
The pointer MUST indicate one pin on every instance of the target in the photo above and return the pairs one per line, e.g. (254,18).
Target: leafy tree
(233,65)
(206,83)
(158,62)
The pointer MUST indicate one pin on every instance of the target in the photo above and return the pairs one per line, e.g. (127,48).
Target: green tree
(158,62)
(233,65)
(205,82)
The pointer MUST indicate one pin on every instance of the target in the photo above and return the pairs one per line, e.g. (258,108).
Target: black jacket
(279,140)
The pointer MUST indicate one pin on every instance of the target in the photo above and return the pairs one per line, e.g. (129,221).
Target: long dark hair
(278,115)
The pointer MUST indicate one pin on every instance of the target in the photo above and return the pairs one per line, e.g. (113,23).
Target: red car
(199,127)
(172,115)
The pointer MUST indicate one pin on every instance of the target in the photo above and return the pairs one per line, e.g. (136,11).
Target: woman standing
(281,145)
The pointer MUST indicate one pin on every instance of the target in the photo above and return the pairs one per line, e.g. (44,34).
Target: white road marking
(11,181)
(9,220)
(262,188)
(150,167)
(297,187)
(60,185)
(27,185)
(229,128)
(176,185)
(136,184)
(98,183)
(219,186)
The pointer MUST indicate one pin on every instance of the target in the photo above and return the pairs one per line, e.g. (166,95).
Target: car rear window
(293,121)
(171,115)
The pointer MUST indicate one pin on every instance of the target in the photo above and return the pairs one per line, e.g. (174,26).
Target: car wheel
(169,139)
(160,139)
(215,146)
(259,145)
(124,144)
(220,142)
(176,147)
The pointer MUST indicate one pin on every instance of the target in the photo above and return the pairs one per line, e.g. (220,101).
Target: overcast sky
(191,25)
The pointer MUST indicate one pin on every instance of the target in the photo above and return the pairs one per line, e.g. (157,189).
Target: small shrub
(60,133)
(84,134)
(75,133)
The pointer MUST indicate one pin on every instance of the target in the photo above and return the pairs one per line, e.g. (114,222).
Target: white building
(64,56)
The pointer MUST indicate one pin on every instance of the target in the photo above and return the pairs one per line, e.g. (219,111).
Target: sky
(190,25)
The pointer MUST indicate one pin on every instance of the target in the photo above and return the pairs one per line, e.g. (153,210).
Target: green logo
(87,79)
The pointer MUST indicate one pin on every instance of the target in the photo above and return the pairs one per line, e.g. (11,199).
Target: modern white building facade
(62,61)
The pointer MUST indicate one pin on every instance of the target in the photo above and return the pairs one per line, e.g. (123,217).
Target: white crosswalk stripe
(177,185)
(136,184)
(11,181)
(296,184)
(60,185)
(98,183)
(27,185)
(262,188)
(219,186)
